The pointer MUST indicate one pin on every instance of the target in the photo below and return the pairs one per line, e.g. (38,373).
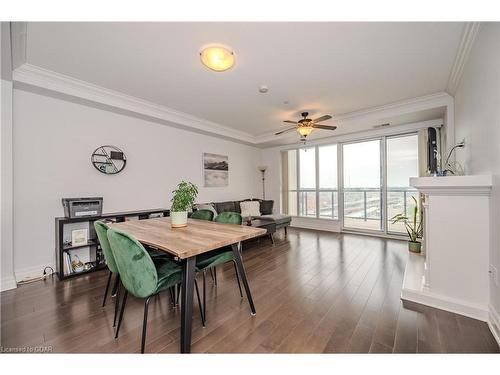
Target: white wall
(477,119)
(7,280)
(6,229)
(53,141)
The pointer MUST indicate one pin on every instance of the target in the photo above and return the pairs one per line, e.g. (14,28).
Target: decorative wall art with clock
(108,159)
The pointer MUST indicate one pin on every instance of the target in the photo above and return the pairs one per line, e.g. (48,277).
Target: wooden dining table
(185,243)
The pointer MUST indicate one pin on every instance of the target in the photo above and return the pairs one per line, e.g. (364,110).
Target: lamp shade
(304,131)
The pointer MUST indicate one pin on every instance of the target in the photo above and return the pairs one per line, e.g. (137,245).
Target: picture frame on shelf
(79,237)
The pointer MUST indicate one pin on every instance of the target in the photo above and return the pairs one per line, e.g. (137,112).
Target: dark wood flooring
(315,292)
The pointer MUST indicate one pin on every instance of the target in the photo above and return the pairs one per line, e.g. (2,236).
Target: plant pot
(414,247)
(178,219)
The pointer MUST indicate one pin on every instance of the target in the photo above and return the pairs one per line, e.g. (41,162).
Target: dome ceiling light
(217,58)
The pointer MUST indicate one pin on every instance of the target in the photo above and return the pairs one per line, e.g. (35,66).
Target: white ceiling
(325,68)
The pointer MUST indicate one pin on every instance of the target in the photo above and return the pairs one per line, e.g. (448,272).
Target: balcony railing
(327,200)
(360,204)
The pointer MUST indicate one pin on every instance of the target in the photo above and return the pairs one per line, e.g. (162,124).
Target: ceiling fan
(305,126)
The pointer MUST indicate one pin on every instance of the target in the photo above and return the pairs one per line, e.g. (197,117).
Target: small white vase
(178,219)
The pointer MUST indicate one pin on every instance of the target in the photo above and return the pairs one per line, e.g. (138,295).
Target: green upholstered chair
(203,215)
(101,229)
(142,275)
(208,261)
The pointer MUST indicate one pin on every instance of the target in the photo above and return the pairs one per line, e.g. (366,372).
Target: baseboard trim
(317,224)
(8,283)
(445,303)
(29,273)
(414,290)
(494,323)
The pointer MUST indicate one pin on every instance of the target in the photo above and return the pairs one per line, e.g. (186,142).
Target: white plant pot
(178,219)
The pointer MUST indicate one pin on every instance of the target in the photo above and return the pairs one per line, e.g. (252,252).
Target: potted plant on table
(183,199)
(413,228)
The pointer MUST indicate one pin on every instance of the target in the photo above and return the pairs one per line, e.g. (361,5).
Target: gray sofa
(266,209)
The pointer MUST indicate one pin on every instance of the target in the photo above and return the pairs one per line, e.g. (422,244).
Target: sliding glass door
(370,186)
(362,188)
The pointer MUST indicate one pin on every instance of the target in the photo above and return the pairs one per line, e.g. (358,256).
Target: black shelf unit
(93,242)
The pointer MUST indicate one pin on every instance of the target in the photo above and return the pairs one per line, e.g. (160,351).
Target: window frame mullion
(316,156)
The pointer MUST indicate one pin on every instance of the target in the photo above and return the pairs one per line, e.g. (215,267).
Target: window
(312,182)
(402,163)
(307,182)
(292,182)
(307,170)
(328,188)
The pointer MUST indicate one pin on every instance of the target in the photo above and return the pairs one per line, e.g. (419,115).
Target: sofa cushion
(279,219)
(250,208)
(237,205)
(266,206)
(225,207)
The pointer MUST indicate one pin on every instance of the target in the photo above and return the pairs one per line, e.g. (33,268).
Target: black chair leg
(115,285)
(212,274)
(145,324)
(121,313)
(178,294)
(202,312)
(117,303)
(204,294)
(107,288)
(172,296)
(237,278)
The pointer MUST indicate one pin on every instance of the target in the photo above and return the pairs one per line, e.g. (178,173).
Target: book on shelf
(67,268)
(82,254)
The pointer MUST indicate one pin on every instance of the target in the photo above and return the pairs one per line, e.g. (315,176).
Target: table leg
(243,275)
(188,275)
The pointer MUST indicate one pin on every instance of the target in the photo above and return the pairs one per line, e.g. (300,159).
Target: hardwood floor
(315,292)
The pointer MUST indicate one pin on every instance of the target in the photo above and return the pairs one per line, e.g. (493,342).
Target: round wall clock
(108,159)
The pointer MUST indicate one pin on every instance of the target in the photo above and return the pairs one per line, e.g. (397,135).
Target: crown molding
(421,103)
(38,77)
(468,37)
(46,79)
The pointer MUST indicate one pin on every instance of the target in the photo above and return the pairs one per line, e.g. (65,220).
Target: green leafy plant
(184,196)
(414,229)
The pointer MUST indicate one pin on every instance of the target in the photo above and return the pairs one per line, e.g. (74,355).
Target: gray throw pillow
(266,207)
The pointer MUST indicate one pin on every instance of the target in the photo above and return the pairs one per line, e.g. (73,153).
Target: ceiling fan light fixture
(304,131)
(217,58)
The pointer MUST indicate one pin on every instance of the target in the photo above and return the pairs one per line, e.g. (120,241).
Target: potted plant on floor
(413,228)
(182,201)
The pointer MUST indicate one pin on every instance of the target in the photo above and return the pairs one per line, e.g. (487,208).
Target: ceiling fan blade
(286,130)
(326,127)
(323,118)
(290,122)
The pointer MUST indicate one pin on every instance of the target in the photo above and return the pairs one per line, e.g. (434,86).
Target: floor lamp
(262,170)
